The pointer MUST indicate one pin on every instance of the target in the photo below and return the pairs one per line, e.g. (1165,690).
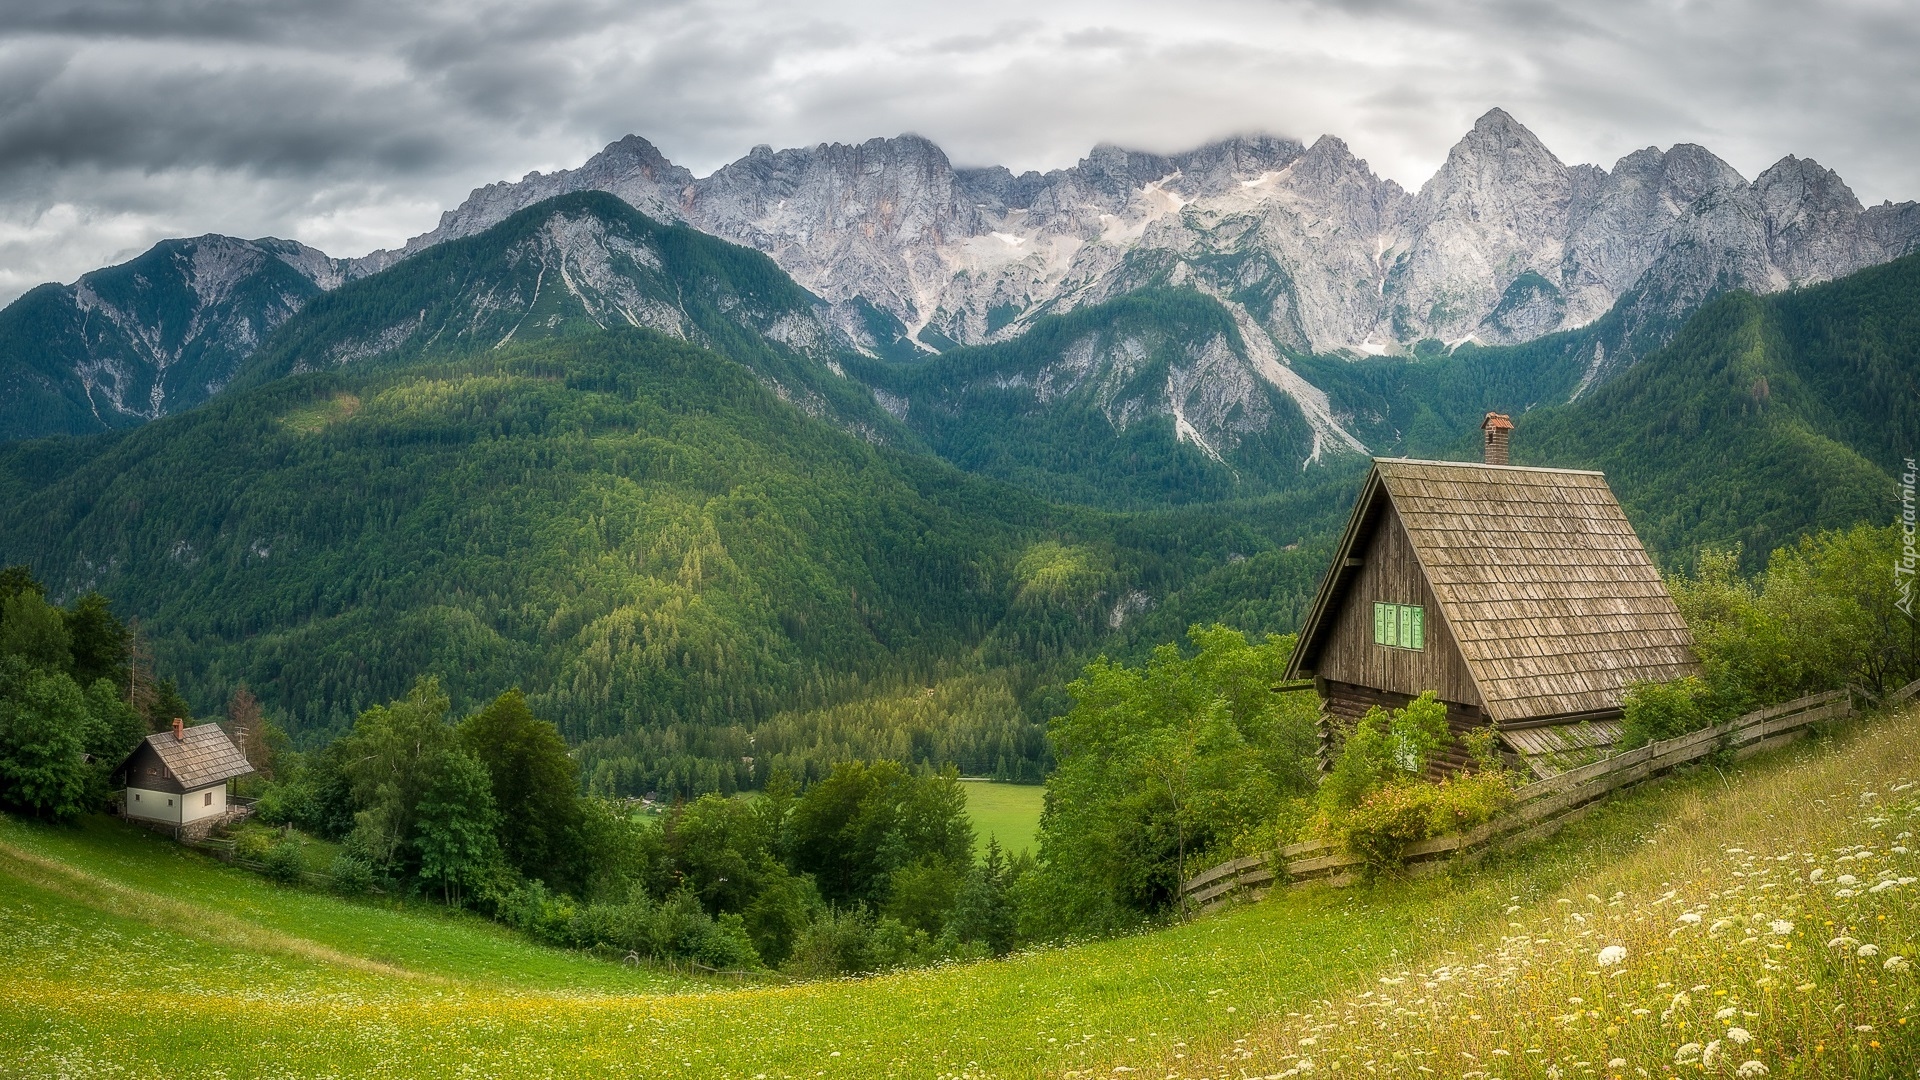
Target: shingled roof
(1555,605)
(203,755)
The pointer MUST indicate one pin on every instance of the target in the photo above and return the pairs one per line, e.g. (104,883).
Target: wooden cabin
(1520,596)
(180,777)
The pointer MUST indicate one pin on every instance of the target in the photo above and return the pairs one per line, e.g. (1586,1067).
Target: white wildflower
(1727,1013)
(1682,999)
(1719,925)
(1687,1054)
(1710,1055)
(1611,955)
(1884,886)
(1617,1063)
(1863,1027)
(1690,917)
(1869,949)
(1847,879)
(1842,894)
(1897,965)
(1842,942)
(1780,927)
(1817,874)
(1750,1070)
(1739,1035)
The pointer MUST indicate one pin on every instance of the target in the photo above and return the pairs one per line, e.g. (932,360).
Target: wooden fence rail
(1539,808)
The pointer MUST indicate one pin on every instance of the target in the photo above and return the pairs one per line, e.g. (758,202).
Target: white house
(179,777)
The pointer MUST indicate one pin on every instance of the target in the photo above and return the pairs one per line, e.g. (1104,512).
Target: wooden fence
(1539,809)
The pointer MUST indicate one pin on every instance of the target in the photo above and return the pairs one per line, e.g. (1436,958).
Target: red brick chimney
(179,729)
(1496,428)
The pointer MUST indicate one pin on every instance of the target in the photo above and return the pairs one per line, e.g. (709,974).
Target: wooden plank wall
(1390,573)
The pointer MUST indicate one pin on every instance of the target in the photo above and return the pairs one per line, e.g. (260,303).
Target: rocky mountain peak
(1794,187)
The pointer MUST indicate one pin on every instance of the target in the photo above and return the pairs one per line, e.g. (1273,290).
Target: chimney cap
(1497,422)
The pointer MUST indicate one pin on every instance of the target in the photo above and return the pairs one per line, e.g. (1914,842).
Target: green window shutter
(1380,624)
(1405,636)
(1417,639)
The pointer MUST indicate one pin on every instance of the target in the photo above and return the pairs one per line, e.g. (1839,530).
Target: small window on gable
(209,801)
(1400,626)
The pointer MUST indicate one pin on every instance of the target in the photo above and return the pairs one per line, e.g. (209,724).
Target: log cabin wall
(1390,573)
(1343,704)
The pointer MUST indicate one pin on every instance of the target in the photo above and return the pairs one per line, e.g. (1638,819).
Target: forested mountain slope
(634,529)
(149,337)
(1766,417)
(570,265)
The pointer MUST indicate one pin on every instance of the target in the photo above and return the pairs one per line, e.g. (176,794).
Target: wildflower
(1842,894)
(1611,955)
(1710,1055)
(1883,886)
(1687,1054)
(1863,1027)
(1817,874)
(1690,917)
(1727,1013)
(1617,1063)
(1719,925)
(1682,999)
(1842,942)
(1804,987)
(1739,1035)
(1869,949)
(1750,1070)
(1897,965)
(1847,879)
(1780,927)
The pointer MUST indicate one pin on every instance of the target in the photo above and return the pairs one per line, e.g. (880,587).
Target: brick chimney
(1496,428)
(179,729)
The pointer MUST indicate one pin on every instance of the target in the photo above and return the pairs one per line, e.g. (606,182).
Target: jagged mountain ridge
(1304,245)
(163,332)
(1504,244)
(574,264)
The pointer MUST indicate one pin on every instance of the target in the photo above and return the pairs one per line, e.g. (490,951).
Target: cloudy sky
(351,124)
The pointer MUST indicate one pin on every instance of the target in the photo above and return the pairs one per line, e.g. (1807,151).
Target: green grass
(1008,812)
(124,953)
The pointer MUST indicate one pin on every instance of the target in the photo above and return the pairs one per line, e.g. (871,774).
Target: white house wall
(205,803)
(177,809)
(154,805)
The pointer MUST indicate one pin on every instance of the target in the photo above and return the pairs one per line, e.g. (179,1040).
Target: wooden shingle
(1538,579)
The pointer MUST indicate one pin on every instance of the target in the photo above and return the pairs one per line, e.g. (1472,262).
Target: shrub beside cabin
(180,777)
(1520,596)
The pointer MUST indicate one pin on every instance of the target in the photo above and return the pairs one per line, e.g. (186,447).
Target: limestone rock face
(1505,243)
(164,332)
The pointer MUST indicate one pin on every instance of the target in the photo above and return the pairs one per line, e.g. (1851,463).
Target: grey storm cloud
(350,124)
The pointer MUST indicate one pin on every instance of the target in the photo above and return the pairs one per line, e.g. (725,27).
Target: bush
(853,942)
(284,862)
(352,875)
(1376,802)
(1383,746)
(1397,815)
(1664,710)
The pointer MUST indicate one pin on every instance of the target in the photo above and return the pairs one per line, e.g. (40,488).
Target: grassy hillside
(111,972)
